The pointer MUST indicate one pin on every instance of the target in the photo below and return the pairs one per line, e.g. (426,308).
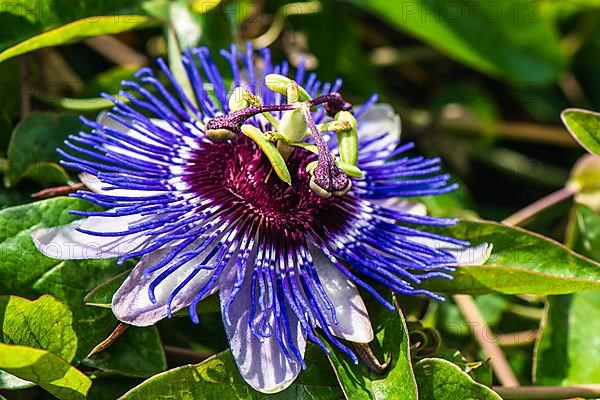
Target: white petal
(465,256)
(105,120)
(399,204)
(67,243)
(379,119)
(353,319)
(95,185)
(131,303)
(263,365)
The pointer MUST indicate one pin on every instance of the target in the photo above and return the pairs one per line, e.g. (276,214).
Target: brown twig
(58,191)
(547,392)
(486,339)
(116,51)
(517,338)
(457,118)
(531,210)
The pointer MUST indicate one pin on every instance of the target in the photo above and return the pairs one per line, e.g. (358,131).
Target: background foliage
(481,84)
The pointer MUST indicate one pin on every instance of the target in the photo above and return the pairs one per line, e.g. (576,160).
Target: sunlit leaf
(30,26)
(45,369)
(218,377)
(584,126)
(508,39)
(25,271)
(44,324)
(566,352)
(439,379)
(398,382)
(521,262)
(21,264)
(137,353)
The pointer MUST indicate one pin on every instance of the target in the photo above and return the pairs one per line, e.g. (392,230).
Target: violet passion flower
(209,216)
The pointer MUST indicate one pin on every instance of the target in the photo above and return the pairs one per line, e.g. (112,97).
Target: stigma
(291,126)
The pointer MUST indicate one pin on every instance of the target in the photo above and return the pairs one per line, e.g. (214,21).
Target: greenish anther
(347,139)
(280,84)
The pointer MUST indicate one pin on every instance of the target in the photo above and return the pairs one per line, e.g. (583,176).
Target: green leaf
(584,126)
(398,382)
(70,281)
(218,377)
(21,264)
(44,324)
(584,231)
(32,149)
(503,38)
(30,26)
(11,382)
(521,262)
(566,352)
(46,370)
(479,371)
(137,353)
(439,379)
(25,271)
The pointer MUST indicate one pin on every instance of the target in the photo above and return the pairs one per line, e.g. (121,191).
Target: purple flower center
(237,175)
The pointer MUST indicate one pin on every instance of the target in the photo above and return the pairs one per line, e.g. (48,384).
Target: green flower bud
(348,139)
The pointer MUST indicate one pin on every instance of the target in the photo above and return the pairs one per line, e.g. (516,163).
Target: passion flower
(285,205)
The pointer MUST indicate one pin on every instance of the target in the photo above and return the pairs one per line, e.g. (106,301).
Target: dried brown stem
(116,51)
(486,339)
(58,191)
(112,338)
(531,210)
(517,338)
(548,392)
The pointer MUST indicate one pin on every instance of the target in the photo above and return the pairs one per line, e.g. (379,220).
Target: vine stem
(486,339)
(547,392)
(531,210)
(109,341)
(116,51)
